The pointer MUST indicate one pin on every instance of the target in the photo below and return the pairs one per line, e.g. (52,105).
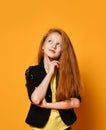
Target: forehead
(54,35)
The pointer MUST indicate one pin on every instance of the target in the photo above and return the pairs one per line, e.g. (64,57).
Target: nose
(54,45)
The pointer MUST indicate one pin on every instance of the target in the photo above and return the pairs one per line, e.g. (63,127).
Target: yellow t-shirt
(55,122)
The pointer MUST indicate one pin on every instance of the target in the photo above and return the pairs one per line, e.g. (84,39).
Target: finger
(56,64)
(55,61)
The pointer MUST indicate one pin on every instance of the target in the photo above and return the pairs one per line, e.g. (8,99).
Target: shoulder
(35,71)
(34,68)
(31,71)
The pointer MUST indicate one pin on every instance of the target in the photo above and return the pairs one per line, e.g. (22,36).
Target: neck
(45,63)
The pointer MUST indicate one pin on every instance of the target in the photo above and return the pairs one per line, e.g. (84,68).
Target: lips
(51,50)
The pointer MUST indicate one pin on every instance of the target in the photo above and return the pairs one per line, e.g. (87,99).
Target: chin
(53,58)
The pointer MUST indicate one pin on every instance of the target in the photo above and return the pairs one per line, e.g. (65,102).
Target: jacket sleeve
(31,81)
(79,97)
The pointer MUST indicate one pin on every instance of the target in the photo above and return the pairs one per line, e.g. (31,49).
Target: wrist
(50,74)
(48,105)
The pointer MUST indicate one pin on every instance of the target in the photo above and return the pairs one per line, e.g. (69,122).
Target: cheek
(44,47)
(59,53)
(59,50)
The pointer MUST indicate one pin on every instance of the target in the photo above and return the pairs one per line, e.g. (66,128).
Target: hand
(75,102)
(52,65)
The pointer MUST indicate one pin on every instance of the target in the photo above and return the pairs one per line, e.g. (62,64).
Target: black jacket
(39,116)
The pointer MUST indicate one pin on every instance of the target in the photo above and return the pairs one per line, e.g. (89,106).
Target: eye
(58,44)
(50,41)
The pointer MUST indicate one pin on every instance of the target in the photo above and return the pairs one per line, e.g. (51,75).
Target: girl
(54,84)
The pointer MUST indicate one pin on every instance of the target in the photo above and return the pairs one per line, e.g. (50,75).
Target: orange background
(22,25)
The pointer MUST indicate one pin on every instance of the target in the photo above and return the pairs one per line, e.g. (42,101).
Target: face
(52,45)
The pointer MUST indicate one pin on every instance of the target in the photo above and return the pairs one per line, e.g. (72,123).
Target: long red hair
(69,82)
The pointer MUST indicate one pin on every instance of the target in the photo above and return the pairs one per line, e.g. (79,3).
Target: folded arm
(63,105)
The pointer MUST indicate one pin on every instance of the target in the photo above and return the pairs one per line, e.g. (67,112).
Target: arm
(67,104)
(63,105)
(40,91)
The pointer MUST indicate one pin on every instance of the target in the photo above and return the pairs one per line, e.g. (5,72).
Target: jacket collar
(41,64)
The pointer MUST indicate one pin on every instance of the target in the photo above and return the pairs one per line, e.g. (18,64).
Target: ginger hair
(69,82)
